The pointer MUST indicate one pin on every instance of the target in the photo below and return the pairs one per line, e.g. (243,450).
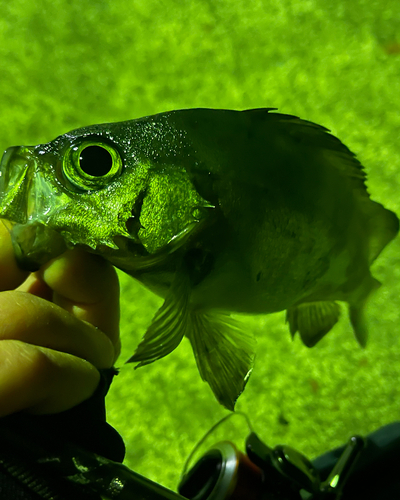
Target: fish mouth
(21,198)
(17,169)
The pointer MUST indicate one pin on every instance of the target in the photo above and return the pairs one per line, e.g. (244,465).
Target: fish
(219,212)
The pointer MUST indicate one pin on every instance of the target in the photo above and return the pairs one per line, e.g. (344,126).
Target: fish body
(218,212)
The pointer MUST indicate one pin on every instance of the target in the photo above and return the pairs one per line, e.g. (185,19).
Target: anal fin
(312,320)
(224,354)
(356,310)
(357,320)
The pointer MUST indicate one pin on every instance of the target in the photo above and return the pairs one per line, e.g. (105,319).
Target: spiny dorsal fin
(224,354)
(332,152)
(312,320)
(316,137)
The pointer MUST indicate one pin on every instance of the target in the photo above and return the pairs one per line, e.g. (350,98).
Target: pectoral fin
(167,328)
(312,320)
(224,354)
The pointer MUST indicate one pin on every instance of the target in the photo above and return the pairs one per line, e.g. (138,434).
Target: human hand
(58,326)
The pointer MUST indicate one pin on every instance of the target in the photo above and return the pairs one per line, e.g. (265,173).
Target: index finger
(11,275)
(86,286)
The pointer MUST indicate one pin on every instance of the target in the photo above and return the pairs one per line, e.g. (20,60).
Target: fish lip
(17,168)
(21,202)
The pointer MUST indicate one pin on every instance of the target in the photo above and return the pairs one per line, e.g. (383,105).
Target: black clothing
(26,441)
(76,455)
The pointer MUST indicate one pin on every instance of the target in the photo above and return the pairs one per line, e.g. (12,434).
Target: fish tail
(224,354)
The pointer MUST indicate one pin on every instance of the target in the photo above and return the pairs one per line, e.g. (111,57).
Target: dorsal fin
(320,138)
(383,225)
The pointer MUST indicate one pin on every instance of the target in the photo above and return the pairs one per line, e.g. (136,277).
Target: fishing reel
(264,473)
(366,468)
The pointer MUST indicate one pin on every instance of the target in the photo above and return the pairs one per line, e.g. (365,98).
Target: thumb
(10,274)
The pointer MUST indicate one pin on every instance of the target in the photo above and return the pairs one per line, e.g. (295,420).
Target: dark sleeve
(26,441)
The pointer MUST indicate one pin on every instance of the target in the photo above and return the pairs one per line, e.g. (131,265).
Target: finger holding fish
(11,275)
(51,352)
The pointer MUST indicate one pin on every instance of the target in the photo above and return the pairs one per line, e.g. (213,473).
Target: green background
(69,63)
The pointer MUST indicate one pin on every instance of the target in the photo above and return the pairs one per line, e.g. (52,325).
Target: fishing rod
(366,468)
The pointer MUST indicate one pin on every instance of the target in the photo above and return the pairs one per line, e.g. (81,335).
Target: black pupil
(95,161)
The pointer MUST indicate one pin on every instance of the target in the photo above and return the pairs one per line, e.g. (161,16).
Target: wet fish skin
(217,211)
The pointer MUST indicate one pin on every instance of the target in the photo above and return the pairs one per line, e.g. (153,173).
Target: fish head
(98,188)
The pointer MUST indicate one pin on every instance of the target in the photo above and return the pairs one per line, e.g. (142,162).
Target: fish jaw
(17,168)
(26,198)
(35,244)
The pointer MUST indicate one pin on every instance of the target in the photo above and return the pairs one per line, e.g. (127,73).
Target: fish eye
(95,161)
(91,164)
